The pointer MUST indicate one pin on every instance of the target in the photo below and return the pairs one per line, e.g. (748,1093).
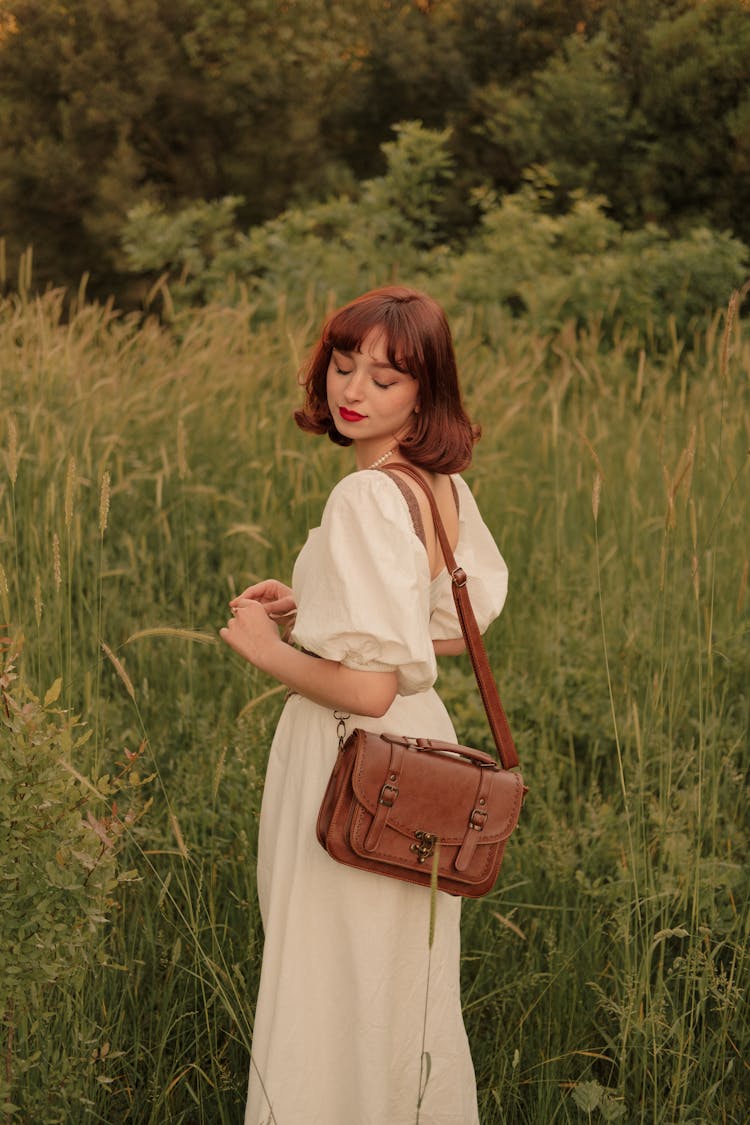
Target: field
(149,474)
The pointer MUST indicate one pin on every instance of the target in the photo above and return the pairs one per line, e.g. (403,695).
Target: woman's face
(370,401)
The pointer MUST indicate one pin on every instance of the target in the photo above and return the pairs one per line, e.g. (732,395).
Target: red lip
(350,415)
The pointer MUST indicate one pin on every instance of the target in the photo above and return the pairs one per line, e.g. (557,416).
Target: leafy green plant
(61,834)
(580,265)
(392,225)
(547,263)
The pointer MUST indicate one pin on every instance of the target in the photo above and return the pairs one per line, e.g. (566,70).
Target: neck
(375,456)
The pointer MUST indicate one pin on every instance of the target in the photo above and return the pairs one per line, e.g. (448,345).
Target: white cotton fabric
(341,1007)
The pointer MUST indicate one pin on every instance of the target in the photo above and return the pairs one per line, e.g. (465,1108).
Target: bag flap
(436,792)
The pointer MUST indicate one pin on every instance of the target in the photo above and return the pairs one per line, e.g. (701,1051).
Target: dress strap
(411,500)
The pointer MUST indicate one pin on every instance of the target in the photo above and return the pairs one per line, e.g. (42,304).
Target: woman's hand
(251,631)
(276,598)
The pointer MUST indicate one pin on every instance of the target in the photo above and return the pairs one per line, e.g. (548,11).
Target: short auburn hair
(418,341)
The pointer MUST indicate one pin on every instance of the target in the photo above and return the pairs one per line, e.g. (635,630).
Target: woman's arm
(453,647)
(252,634)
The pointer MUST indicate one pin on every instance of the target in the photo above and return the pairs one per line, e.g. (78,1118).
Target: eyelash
(383,386)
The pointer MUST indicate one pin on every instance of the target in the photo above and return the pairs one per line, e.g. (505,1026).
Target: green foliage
(58,875)
(582,125)
(547,263)
(111,103)
(581,265)
(349,244)
(644,104)
(694,103)
(111,106)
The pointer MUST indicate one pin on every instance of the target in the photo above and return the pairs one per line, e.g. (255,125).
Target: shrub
(58,874)
(583,266)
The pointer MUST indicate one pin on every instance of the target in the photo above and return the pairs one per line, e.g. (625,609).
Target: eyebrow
(373,362)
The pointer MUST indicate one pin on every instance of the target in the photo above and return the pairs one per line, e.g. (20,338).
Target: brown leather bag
(394,802)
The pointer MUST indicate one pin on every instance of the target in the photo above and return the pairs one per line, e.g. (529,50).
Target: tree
(696,101)
(651,110)
(105,103)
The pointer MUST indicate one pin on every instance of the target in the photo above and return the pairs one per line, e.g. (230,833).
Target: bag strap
(473,638)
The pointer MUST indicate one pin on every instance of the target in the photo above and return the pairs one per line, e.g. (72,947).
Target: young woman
(346,1006)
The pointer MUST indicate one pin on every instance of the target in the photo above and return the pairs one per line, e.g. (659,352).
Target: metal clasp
(425,847)
(341,717)
(478,819)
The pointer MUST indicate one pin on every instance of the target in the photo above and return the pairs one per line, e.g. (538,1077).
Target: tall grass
(150,474)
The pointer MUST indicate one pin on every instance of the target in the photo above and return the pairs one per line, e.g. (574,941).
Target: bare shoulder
(443,489)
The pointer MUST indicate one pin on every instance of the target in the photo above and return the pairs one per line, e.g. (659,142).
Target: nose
(353,388)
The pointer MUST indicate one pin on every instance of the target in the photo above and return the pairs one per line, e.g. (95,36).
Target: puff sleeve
(363,594)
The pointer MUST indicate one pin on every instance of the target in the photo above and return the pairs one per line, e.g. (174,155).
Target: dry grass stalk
(743,587)
(596,494)
(174,631)
(38,603)
(182,465)
(11,457)
(70,491)
(104,496)
(118,667)
(728,326)
(56,561)
(178,835)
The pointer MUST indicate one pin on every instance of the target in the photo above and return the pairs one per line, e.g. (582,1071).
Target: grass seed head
(56,562)
(119,668)
(596,492)
(70,492)
(38,603)
(104,495)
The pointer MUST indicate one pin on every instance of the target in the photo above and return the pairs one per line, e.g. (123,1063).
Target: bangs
(350,326)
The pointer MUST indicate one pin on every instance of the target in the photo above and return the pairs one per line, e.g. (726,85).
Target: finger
(282,611)
(244,599)
(242,603)
(259,591)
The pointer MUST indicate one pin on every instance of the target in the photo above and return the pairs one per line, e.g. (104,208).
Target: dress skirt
(352,1000)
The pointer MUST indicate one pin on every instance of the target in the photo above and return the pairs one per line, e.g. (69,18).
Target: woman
(347,1012)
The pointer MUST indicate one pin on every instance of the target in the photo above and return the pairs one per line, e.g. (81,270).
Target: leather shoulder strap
(474,643)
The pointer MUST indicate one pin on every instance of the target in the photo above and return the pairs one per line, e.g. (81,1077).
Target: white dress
(340,1017)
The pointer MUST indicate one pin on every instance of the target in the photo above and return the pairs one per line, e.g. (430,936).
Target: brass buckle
(387,790)
(475,815)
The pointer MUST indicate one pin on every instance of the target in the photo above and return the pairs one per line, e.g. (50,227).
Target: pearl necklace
(381,460)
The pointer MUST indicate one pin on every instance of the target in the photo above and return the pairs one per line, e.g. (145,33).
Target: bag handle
(473,638)
(436,746)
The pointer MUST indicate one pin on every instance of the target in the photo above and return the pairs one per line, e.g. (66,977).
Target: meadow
(148,474)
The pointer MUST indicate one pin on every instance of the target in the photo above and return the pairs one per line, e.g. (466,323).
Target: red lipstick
(350,415)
